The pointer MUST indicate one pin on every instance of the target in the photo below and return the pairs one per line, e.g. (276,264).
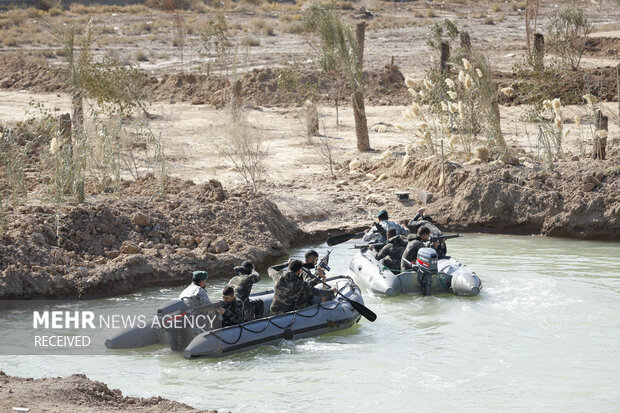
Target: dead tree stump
(64,127)
(600,140)
(444,57)
(237,99)
(539,50)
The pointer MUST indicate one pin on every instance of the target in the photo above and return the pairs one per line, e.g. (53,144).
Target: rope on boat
(269,320)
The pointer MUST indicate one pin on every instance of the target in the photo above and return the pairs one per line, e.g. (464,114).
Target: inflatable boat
(319,318)
(451,276)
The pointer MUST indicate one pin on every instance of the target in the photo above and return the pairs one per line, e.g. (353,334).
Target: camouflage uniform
(243,282)
(291,292)
(375,235)
(194,296)
(411,252)
(233,314)
(391,254)
(305,299)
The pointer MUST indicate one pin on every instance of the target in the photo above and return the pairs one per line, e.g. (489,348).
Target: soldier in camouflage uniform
(291,289)
(414,244)
(391,254)
(378,232)
(232,308)
(312,258)
(242,283)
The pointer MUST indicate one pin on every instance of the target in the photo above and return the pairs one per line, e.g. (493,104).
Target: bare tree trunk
(465,40)
(539,50)
(77,108)
(445,56)
(236,101)
(311,115)
(359,110)
(618,75)
(360,35)
(64,127)
(600,143)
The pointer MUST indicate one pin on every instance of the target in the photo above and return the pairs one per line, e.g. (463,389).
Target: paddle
(360,308)
(339,239)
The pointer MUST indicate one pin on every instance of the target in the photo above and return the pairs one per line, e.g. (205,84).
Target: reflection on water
(543,335)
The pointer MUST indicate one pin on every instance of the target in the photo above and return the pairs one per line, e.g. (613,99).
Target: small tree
(568,33)
(338,47)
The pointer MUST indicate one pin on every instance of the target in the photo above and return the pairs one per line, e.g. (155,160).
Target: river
(543,335)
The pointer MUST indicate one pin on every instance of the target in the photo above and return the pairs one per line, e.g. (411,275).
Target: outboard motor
(426,264)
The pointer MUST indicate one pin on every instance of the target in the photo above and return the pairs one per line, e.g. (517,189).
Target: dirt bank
(266,87)
(111,246)
(76,393)
(579,199)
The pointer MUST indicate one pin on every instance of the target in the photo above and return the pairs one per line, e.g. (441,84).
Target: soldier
(378,233)
(242,283)
(391,254)
(312,258)
(421,216)
(195,295)
(232,308)
(415,243)
(290,290)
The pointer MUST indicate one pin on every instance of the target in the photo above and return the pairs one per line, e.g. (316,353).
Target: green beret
(382,214)
(200,275)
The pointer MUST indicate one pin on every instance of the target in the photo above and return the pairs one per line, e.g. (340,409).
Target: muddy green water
(543,335)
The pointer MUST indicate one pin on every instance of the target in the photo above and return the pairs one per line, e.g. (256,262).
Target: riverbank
(578,199)
(109,246)
(77,393)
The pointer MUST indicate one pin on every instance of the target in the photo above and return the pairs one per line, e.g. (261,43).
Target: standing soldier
(242,283)
(378,232)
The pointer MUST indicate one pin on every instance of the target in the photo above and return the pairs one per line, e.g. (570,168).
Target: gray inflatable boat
(319,318)
(452,277)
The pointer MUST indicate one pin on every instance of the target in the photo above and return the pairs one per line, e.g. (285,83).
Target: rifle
(380,229)
(444,237)
(325,261)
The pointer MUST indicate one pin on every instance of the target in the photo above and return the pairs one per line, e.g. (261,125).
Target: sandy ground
(78,394)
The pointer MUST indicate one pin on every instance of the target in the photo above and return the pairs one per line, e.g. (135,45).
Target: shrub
(568,32)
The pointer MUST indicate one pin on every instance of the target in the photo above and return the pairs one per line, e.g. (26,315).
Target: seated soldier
(291,290)
(195,295)
(391,254)
(243,282)
(421,216)
(415,243)
(312,258)
(378,232)
(232,308)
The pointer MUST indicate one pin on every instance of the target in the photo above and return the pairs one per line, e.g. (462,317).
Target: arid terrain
(176,203)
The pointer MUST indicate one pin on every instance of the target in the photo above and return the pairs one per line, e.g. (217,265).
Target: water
(543,335)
